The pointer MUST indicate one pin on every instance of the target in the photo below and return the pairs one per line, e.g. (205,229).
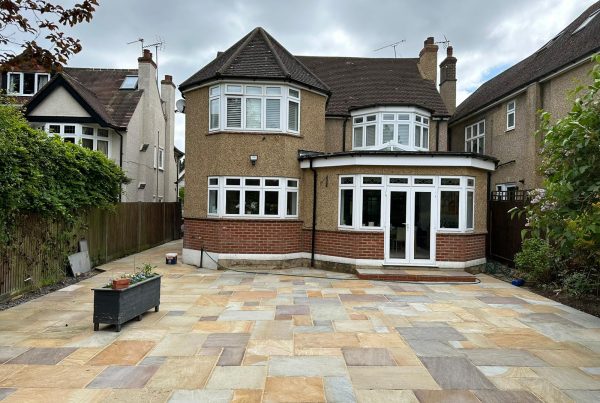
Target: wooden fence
(505,229)
(37,255)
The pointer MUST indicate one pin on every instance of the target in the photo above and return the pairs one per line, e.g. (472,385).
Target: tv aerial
(391,45)
(445,43)
(158,45)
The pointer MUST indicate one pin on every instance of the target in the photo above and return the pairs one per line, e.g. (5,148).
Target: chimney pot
(168,78)
(449,51)
(147,54)
(428,41)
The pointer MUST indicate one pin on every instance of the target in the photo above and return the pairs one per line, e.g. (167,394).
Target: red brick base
(243,236)
(287,236)
(460,247)
(348,244)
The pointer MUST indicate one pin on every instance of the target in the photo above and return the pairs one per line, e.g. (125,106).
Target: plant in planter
(127,297)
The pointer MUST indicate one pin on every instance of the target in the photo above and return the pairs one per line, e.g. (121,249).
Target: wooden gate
(504,231)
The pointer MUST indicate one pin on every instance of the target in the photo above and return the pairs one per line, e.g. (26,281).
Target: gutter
(314,216)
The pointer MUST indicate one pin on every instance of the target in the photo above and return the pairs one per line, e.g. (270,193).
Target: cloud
(487,37)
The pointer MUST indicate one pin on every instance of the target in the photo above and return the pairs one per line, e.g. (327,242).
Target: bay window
(391,128)
(253,197)
(255,108)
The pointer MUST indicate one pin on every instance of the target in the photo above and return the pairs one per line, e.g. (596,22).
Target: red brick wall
(460,247)
(350,244)
(243,236)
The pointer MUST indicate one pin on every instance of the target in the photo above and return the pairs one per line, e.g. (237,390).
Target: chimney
(146,71)
(448,80)
(428,60)
(167,95)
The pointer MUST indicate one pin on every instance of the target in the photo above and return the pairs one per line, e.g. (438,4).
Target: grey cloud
(485,35)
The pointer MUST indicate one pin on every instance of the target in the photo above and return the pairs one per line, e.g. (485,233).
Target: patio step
(426,275)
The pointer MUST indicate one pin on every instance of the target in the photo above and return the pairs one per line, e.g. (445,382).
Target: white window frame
(463,188)
(416,118)
(221,92)
(347,186)
(476,139)
(22,83)
(161,158)
(79,136)
(436,187)
(511,111)
(282,189)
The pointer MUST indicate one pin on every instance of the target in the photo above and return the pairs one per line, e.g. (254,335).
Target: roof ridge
(242,46)
(274,52)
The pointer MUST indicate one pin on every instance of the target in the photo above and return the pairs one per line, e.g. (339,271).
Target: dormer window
(391,129)
(25,84)
(129,83)
(254,108)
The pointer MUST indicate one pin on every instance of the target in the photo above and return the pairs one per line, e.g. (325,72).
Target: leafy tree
(46,176)
(23,22)
(567,211)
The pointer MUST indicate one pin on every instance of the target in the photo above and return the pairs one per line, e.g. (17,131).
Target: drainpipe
(437,135)
(314,215)
(489,215)
(120,156)
(344,135)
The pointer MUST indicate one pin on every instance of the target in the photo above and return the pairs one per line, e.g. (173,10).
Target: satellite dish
(180,105)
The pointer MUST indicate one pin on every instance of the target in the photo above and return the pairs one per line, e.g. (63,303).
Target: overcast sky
(487,37)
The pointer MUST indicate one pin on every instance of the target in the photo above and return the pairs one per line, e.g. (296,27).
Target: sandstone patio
(225,336)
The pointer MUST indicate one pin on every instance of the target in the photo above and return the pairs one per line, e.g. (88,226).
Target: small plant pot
(120,283)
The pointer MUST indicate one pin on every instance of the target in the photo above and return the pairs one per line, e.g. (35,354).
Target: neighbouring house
(328,161)
(120,112)
(501,117)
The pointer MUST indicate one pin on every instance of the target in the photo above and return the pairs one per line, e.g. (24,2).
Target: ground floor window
(252,197)
(88,136)
(450,206)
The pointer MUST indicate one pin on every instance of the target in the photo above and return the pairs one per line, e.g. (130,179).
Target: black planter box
(116,307)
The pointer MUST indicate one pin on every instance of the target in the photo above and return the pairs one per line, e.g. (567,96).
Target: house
(328,161)
(501,117)
(120,112)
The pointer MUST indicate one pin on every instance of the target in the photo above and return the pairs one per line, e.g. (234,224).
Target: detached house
(119,112)
(501,117)
(328,161)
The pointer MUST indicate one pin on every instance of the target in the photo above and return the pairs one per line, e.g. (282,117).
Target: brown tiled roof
(99,90)
(564,49)
(102,86)
(257,55)
(363,82)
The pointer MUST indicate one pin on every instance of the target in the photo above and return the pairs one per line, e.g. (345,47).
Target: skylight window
(130,83)
(587,21)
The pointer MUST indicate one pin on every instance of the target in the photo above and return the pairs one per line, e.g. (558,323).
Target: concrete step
(417,274)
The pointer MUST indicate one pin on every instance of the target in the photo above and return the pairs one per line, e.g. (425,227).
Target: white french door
(409,232)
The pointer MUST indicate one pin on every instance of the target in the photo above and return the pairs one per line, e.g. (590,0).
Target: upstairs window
(255,108)
(390,129)
(510,115)
(475,138)
(25,84)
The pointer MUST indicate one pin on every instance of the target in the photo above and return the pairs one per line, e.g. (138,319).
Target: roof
(564,49)
(98,91)
(256,56)
(363,82)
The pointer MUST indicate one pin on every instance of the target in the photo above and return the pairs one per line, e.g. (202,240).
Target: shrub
(577,284)
(535,260)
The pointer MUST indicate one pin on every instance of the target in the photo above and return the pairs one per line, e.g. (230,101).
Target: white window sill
(510,129)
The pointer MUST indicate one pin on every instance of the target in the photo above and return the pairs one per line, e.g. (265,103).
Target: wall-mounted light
(253,159)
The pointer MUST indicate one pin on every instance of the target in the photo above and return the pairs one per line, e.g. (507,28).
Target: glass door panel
(397,229)
(422,225)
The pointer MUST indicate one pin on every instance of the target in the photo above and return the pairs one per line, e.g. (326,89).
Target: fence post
(139,227)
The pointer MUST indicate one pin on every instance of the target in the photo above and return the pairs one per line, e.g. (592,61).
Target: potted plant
(127,297)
